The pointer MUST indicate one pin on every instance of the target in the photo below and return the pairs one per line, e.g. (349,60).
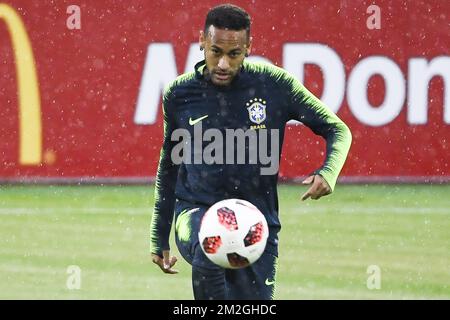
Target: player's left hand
(318,189)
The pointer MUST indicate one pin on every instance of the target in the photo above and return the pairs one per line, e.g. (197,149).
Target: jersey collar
(199,69)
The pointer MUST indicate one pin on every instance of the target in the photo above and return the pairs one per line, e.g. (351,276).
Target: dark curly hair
(228,16)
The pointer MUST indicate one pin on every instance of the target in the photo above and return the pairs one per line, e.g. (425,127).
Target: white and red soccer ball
(233,233)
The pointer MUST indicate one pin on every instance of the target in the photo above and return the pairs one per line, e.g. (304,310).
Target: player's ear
(201,40)
(249,47)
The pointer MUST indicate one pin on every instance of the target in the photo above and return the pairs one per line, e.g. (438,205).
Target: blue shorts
(211,282)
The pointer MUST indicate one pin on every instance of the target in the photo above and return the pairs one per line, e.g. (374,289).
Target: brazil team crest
(257,110)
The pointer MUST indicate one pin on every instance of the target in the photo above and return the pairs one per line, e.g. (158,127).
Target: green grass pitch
(326,246)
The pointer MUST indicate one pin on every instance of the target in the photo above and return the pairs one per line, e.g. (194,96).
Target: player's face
(224,53)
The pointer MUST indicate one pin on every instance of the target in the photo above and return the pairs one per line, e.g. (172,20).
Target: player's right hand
(166,262)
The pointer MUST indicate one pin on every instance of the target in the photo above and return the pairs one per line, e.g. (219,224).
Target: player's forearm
(164,204)
(161,220)
(338,139)
(322,121)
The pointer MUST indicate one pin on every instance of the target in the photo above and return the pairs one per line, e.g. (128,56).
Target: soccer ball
(233,233)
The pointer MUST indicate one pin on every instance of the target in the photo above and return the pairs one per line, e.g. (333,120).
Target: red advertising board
(81,83)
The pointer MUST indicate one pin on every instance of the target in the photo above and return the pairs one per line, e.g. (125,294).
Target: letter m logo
(30,127)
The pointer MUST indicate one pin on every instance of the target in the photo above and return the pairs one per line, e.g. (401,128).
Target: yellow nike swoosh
(269,283)
(193,122)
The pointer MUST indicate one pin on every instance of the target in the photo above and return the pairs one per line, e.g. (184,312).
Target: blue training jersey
(258,103)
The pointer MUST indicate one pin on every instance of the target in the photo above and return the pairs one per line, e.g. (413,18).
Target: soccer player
(225,92)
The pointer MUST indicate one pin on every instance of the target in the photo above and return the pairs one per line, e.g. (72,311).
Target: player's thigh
(256,281)
(187,224)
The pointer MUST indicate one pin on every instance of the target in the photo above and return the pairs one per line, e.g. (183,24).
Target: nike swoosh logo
(269,283)
(193,122)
